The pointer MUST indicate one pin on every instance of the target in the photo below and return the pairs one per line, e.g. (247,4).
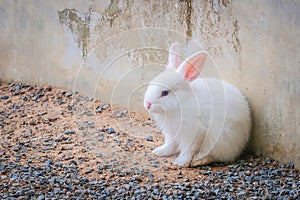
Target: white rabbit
(203,120)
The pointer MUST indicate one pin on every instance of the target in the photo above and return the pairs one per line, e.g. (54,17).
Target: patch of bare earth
(55,124)
(51,127)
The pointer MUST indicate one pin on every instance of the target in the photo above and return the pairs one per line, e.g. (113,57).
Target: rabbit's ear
(174,56)
(191,67)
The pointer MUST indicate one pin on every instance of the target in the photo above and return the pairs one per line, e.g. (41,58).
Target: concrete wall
(110,49)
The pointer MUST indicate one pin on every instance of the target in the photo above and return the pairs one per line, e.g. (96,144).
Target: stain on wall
(79,24)
(188,14)
(113,11)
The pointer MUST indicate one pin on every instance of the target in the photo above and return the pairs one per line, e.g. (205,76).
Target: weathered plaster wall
(270,58)
(110,49)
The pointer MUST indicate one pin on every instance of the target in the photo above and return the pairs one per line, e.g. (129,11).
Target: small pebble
(32,122)
(18,87)
(68,94)
(48,163)
(121,114)
(41,197)
(149,138)
(4,97)
(154,165)
(146,123)
(247,172)
(290,165)
(2,167)
(98,110)
(88,170)
(105,106)
(69,132)
(73,162)
(110,130)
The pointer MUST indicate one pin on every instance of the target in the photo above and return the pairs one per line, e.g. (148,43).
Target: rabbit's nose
(148,105)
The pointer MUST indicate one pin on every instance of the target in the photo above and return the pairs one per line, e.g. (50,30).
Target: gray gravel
(30,168)
(262,179)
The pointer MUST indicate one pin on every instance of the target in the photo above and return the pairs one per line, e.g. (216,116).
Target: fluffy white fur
(203,120)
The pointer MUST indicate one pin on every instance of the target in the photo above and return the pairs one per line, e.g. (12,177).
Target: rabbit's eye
(164,93)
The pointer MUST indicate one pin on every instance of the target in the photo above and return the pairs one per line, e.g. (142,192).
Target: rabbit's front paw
(160,151)
(183,161)
(165,150)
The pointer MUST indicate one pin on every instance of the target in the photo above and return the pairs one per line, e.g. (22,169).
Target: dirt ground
(69,128)
(52,127)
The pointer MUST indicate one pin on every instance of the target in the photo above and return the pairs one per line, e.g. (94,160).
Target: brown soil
(41,123)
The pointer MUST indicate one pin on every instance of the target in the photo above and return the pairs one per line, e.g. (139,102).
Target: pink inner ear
(191,73)
(194,66)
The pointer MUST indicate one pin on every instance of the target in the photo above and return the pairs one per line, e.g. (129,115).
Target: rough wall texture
(111,49)
(270,58)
